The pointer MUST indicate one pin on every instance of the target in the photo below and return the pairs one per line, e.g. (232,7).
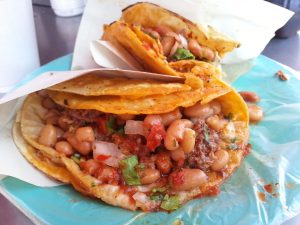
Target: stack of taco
(142,144)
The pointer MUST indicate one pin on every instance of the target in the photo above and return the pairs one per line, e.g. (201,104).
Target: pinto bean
(82,147)
(187,179)
(177,155)
(188,141)
(48,136)
(200,51)
(48,103)
(168,118)
(249,96)
(59,133)
(255,113)
(214,122)
(199,111)
(148,176)
(167,43)
(64,147)
(175,133)
(221,160)
(64,122)
(85,134)
(163,162)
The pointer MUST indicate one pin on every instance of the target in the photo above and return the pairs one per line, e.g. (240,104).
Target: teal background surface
(274,160)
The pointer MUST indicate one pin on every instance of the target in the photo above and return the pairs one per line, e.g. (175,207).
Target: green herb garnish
(157,197)
(232,146)
(161,189)
(76,158)
(182,53)
(206,134)
(110,124)
(170,203)
(129,173)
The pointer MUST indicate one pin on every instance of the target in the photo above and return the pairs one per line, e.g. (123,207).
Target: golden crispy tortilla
(142,47)
(93,85)
(154,104)
(151,15)
(31,124)
(36,158)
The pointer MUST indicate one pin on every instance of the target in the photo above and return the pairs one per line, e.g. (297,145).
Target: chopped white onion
(108,149)
(141,197)
(174,48)
(184,42)
(134,127)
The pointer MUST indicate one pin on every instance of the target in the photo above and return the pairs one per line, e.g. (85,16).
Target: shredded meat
(79,115)
(207,142)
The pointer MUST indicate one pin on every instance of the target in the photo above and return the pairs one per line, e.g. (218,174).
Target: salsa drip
(151,156)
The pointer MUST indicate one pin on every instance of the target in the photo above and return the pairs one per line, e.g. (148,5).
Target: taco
(156,36)
(133,156)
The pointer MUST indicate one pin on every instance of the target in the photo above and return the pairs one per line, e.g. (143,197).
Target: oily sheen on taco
(150,152)
(156,36)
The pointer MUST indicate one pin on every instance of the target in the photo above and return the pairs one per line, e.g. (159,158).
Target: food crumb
(282,76)
(261,196)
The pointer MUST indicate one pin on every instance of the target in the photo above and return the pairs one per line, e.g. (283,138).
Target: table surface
(56,37)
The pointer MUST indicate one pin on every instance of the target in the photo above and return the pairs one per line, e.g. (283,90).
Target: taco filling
(153,158)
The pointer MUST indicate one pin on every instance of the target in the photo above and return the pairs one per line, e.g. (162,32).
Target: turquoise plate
(274,160)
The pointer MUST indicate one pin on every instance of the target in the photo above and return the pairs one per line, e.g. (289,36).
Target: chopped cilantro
(161,189)
(182,53)
(206,134)
(128,170)
(232,146)
(170,203)
(121,130)
(76,158)
(157,197)
(111,123)
(140,166)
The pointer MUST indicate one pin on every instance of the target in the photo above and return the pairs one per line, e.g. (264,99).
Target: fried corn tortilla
(153,104)
(114,194)
(156,37)
(151,15)
(93,85)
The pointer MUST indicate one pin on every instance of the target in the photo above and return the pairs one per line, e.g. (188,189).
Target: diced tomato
(90,166)
(177,178)
(101,122)
(155,136)
(101,158)
(107,175)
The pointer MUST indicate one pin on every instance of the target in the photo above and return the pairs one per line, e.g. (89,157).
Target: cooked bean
(163,162)
(151,120)
(52,120)
(187,179)
(167,43)
(64,147)
(177,155)
(188,141)
(168,118)
(85,134)
(175,133)
(249,96)
(64,122)
(83,147)
(163,30)
(221,160)
(200,51)
(48,136)
(48,103)
(59,133)
(199,111)
(214,122)
(216,106)
(255,113)
(148,176)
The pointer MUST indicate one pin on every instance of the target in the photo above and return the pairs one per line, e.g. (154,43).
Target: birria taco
(156,37)
(138,151)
